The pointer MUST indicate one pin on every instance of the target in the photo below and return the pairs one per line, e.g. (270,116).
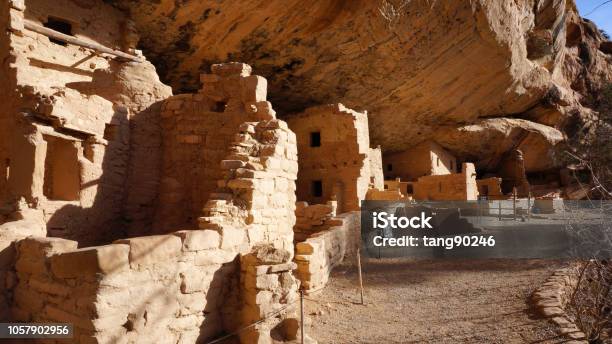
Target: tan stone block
(16,20)
(282,267)
(192,303)
(49,287)
(304,248)
(254,88)
(213,257)
(262,282)
(209,78)
(232,237)
(256,233)
(31,266)
(44,247)
(232,164)
(152,249)
(184,323)
(241,183)
(59,315)
(105,259)
(190,337)
(231,69)
(197,240)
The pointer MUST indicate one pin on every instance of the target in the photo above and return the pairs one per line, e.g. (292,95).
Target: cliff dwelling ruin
(177,189)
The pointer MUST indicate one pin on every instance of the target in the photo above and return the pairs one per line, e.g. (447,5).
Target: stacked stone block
(322,251)
(269,295)
(314,218)
(184,286)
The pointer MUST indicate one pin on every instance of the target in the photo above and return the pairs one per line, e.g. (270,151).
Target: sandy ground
(432,302)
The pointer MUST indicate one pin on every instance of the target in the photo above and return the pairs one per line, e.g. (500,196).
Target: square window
(61,26)
(317,188)
(389,167)
(315,139)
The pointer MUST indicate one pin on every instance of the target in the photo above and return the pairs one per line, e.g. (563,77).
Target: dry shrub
(591,301)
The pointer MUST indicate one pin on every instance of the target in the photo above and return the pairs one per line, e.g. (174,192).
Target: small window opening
(485,190)
(317,188)
(440,187)
(219,107)
(315,139)
(452,168)
(389,167)
(59,25)
(438,162)
(110,132)
(386,186)
(409,189)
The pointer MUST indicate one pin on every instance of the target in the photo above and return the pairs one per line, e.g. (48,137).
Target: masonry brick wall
(183,286)
(343,163)
(324,250)
(448,187)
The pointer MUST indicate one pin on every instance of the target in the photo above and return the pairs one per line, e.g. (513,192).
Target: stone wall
(336,160)
(326,249)
(490,187)
(425,159)
(184,286)
(197,129)
(68,116)
(449,187)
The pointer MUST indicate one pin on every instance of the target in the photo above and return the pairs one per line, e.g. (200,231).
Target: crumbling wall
(335,156)
(490,187)
(69,121)
(197,129)
(449,187)
(326,249)
(425,159)
(270,298)
(184,286)
(314,218)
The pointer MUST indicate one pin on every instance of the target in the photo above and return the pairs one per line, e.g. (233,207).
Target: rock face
(412,64)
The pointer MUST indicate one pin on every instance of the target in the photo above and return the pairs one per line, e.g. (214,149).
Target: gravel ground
(433,302)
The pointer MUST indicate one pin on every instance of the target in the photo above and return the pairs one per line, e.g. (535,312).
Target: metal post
(529,206)
(360,276)
(302,315)
(499,207)
(514,202)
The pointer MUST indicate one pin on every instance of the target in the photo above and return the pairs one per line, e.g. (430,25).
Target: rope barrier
(273,314)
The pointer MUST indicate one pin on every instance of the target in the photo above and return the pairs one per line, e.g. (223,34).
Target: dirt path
(433,302)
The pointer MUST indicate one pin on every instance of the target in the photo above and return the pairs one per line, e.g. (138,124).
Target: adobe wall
(449,187)
(490,187)
(322,251)
(188,285)
(197,129)
(70,120)
(343,162)
(425,159)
